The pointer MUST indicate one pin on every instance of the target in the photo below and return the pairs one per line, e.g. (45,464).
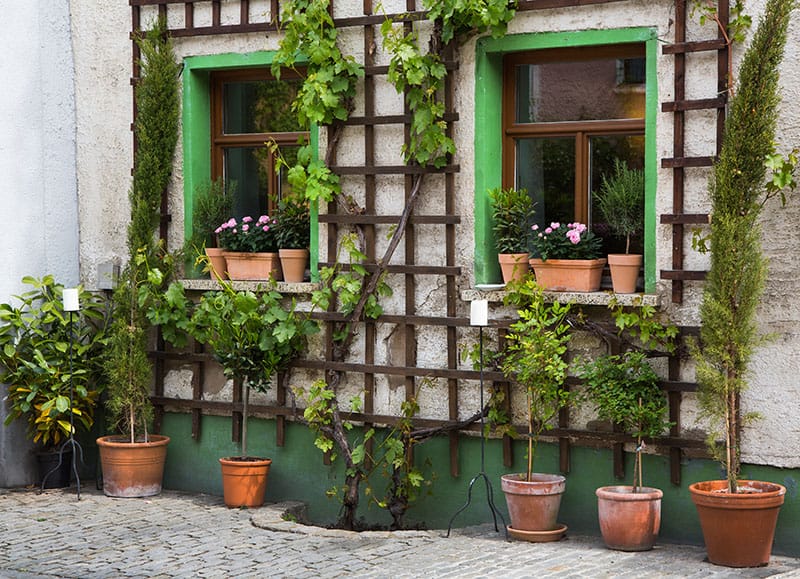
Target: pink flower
(245,227)
(218,230)
(555,225)
(535,227)
(263,219)
(574,236)
(265,228)
(231,222)
(549,230)
(247,219)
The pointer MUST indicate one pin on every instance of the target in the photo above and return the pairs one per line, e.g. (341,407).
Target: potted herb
(51,365)
(567,257)
(251,247)
(536,347)
(293,236)
(512,212)
(738,517)
(133,462)
(213,202)
(621,203)
(624,390)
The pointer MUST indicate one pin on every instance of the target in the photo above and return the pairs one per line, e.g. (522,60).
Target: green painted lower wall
(298,473)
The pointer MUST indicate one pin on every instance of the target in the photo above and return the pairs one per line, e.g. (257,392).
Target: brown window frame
(581,131)
(221,140)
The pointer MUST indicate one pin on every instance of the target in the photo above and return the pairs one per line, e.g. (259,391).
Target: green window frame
(197,146)
(488,144)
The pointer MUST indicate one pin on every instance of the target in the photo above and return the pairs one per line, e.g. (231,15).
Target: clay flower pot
(738,528)
(629,521)
(533,505)
(218,267)
(513,266)
(132,469)
(569,275)
(242,265)
(624,271)
(244,480)
(293,264)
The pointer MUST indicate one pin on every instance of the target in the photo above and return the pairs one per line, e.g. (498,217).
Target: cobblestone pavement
(188,535)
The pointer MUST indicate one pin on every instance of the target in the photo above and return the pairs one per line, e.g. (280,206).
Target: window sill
(282,287)
(496,293)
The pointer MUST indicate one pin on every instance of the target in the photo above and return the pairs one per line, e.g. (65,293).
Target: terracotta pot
(624,271)
(244,480)
(629,521)
(533,505)
(132,470)
(569,275)
(514,266)
(738,528)
(293,264)
(217,259)
(252,266)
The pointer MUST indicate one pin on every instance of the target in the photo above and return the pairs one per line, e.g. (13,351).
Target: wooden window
(250,108)
(566,118)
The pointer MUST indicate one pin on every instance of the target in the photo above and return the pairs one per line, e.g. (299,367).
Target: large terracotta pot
(738,528)
(132,469)
(293,264)
(629,521)
(624,271)
(533,505)
(253,266)
(244,480)
(569,275)
(513,266)
(216,256)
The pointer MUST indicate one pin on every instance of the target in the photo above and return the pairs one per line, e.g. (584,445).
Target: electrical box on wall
(107,275)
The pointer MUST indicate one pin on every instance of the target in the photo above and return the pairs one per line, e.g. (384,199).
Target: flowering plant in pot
(293,236)
(512,213)
(621,203)
(535,357)
(567,257)
(212,201)
(251,247)
(51,365)
(738,517)
(624,390)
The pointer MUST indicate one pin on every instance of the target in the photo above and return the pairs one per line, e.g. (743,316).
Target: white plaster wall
(38,199)
(103,92)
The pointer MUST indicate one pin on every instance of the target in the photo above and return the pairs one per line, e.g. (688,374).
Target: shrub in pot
(213,202)
(536,346)
(512,212)
(293,236)
(738,517)
(624,390)
(621,203)
(52,387)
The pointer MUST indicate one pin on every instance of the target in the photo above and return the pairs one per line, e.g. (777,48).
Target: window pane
(260,107)
(604,150)
(249,168)
(546,168)
(576,91)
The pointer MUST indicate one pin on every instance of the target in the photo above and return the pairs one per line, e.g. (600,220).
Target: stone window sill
(496,293)
(282,287)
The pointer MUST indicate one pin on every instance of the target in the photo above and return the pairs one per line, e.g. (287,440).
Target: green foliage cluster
(38,366)
(126,365)
(536,348)
(642,323)
(461,17)
(736,278)
(294,224)
(213,204)
(512,216)
(621,201)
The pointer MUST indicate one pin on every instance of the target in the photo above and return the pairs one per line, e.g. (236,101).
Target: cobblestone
(175,535)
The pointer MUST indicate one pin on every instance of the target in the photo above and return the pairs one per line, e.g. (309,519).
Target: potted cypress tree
(512,211)
(624,390)
(133,462)
(535,353)
(738,517)
(621,202)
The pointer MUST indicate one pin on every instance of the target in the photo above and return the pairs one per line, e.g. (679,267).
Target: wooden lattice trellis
(410,320)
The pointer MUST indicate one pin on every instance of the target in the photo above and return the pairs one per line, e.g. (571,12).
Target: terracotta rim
(624,493)
(118,441)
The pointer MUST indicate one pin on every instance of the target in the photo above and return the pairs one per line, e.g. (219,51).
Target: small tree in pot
(535,358)
(621,202)
(213,203)
(512,214)
(293,236)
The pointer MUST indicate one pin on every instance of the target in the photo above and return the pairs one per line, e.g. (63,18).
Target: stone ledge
(282,287)
(602,298)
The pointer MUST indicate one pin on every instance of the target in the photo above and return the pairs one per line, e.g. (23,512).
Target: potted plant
(213,202)
(253,336)
(512,212)
(624,390)
(293,236)
(568,257)
(251,248)
(535,353)
(133,462)
(51,365)
(738,517)
(621,203)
